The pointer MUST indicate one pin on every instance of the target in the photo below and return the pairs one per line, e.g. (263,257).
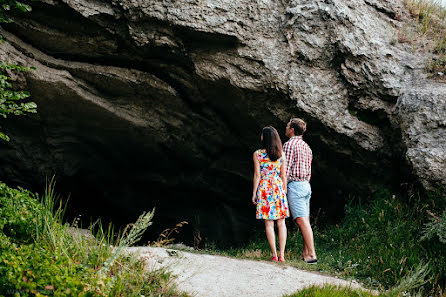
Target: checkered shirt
(298,159)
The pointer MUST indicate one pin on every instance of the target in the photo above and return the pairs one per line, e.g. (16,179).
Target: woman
(269,189)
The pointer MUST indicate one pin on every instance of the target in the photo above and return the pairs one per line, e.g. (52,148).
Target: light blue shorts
(299,194)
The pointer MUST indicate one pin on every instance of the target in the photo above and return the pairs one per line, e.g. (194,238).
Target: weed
(331,291)
(165,238)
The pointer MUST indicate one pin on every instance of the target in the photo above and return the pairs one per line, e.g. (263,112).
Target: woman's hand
(254,199)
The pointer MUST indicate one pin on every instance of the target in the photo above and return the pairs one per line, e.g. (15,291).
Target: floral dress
(272,203)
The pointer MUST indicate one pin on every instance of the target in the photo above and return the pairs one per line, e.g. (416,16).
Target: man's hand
(254,199)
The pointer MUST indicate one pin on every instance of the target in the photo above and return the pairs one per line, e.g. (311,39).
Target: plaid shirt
(298,159)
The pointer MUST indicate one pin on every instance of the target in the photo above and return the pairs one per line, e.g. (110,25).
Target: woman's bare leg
(269,227)
(282,236)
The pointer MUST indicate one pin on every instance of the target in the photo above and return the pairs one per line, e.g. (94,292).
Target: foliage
(436,227)
(375,240)
(41,256)
(9,97)
(331,291)
(18,214)
(413,281)
(7,5)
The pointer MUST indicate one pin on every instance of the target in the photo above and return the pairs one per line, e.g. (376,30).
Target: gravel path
(209,275)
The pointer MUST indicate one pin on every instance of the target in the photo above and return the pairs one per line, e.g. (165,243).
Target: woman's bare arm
(283,170)
(256,178)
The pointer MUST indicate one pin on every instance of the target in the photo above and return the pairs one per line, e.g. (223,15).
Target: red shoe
(274,259)
(281,259)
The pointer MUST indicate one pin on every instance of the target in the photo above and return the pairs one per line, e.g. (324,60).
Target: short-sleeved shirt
(298,157)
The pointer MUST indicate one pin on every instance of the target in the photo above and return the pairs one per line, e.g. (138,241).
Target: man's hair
(298,125)
(272,143)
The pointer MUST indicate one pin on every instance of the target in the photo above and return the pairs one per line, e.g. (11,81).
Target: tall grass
(39,254)
(330,291)
(429,22)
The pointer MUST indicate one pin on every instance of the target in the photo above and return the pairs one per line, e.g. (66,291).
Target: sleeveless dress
(272,203)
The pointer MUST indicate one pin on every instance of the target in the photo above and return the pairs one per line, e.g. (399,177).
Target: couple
(280,174)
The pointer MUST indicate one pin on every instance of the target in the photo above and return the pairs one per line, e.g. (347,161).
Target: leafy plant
(9,97)
(436,227)
(41,255)
(7,5)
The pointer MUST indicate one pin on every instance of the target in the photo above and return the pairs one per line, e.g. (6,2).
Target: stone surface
(161,103)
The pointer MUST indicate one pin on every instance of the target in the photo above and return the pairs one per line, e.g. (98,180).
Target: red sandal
(274,259)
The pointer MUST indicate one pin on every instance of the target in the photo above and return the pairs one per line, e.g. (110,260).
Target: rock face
(161,103)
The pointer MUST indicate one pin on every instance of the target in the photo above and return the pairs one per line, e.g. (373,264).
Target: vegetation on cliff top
(427,32)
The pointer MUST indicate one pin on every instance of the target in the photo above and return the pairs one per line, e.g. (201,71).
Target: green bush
(41,256)
(30,269)
(383,241)
(18,213)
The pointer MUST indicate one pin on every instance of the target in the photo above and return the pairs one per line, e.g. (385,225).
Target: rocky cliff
(161,103)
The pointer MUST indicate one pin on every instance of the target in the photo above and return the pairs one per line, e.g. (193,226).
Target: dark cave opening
(117,185)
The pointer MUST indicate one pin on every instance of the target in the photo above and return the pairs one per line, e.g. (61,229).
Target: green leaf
(23,7)
(4,136)
(9,97)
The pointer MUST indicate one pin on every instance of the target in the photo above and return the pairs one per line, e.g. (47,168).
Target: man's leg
(307,234)
(269,227)
(282,236)
(297,204)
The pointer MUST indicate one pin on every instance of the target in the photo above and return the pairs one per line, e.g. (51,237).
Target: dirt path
(209,275)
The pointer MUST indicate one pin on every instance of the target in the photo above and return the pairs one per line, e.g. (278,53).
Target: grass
(427,31)
(330,291)
(40,255)
(390,244)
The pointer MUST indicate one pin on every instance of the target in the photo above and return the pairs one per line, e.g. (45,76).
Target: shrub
(39,255)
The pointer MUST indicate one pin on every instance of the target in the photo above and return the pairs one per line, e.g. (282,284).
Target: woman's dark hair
(272,143)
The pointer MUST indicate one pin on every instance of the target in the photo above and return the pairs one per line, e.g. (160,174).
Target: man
(298,170)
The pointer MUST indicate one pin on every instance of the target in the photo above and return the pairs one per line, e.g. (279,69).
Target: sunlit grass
(331,291)
(429,30)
